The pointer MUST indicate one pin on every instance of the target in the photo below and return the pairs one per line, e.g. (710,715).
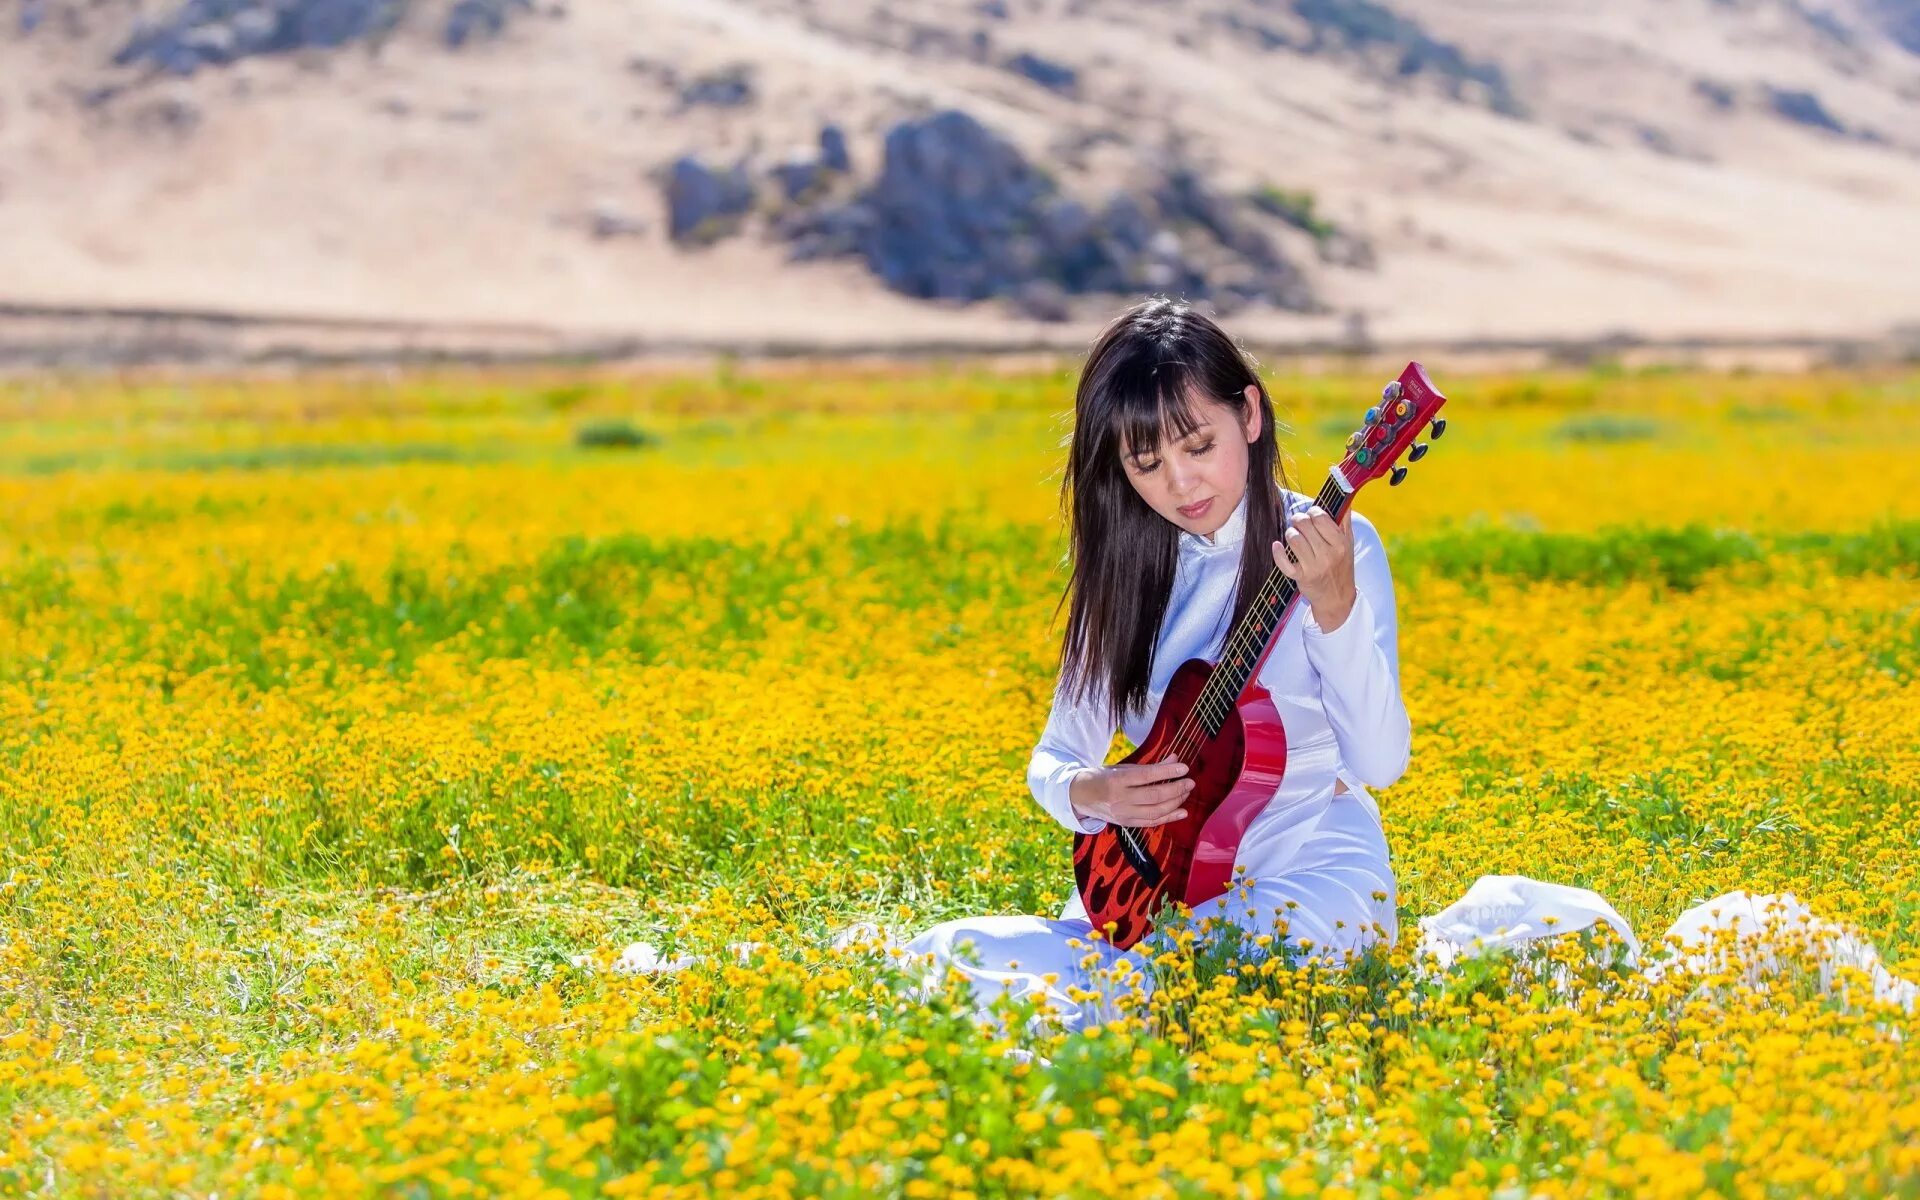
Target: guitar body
(1125,874)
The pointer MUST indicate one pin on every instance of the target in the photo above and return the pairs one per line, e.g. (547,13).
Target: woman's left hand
(1321,563)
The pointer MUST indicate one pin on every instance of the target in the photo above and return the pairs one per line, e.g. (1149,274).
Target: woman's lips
(1197,510)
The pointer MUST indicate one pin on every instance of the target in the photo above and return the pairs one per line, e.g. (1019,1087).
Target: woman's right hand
(1135,794)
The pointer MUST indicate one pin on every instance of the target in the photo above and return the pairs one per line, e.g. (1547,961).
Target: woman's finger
(1173,791)
(1321,526)
(1306,549)
(1144,809)
(1166,768)
(1284,562)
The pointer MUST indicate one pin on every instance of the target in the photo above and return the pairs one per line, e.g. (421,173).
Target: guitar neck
(1407,405)
(1252,637)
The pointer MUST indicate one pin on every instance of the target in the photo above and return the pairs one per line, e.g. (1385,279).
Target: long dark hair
(1135,387)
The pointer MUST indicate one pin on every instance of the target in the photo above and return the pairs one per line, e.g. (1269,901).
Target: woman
(1177,513)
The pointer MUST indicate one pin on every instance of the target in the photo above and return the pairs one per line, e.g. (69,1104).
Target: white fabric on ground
(1055,959)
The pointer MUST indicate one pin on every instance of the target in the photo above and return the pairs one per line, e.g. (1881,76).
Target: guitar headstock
(1407,406)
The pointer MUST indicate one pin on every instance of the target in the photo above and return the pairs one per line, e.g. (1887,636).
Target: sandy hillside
(1647,166)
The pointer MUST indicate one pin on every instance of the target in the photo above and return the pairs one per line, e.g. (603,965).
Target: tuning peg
(1355,439)
(1391,392)
(1439,427)
(1373,414)
(1418,452)
(1399,473)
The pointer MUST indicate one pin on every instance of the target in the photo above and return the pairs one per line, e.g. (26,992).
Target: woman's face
(1207,468)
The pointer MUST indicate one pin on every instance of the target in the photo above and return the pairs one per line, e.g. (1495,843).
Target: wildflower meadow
(352,725)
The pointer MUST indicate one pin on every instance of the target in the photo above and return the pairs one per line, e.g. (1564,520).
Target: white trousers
(1325,886)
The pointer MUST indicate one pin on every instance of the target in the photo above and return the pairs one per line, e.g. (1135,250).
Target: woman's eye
(1203,450)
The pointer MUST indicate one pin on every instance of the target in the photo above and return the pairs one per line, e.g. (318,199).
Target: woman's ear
(1252,394)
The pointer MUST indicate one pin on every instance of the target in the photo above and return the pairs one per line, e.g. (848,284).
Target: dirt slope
(1517,169)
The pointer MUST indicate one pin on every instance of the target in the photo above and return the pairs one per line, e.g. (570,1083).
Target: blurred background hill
(531,176)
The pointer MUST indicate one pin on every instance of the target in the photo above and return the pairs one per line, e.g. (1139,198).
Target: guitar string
(1207,706)
(1210,704)
(1247,638)
(1186,737)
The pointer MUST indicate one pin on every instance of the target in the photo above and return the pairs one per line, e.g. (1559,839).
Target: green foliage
(1678,557)
(288,457)
(1608,427)
(1296,208)
(613,434)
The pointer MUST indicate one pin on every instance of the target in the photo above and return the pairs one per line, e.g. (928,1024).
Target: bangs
(1148,401)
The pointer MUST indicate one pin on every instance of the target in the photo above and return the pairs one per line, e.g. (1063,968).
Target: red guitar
(1222,724)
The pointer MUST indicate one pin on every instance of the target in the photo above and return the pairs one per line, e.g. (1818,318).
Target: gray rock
(833,149)
(1184,196)
(472,19)
(1376,31)
(254,31)
(829,232)
(1803,108)
(1718,94)
(800,176)
(215,32)
(729,87)
(1900,19)
(1053,76)
(324,23)
(212,43)
(1126,225)
(952,201)
(958,214)
(703,204)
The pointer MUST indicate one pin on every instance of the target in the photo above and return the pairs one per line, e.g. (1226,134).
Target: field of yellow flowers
(338,715)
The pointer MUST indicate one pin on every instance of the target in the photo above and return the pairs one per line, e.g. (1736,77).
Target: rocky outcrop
(203,33)
(1390,42)
(215,32)
(958,214)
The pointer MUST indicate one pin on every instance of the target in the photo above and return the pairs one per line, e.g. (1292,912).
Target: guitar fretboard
(1244,648)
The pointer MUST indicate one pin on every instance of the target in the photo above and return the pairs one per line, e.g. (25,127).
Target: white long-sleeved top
(1338,693)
